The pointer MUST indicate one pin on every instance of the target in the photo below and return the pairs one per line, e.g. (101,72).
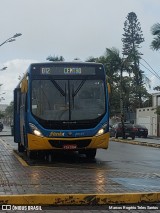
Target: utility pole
(121,101)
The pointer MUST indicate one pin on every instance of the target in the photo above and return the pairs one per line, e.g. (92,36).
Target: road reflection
(68,159)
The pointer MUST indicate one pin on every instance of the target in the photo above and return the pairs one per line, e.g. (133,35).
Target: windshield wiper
(58,87)
(74,93)
(78,88)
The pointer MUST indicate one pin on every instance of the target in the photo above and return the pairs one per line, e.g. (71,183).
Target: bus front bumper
(44,143)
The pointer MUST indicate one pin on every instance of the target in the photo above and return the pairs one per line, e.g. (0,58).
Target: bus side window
(26,103)
(23,101)
(17,100)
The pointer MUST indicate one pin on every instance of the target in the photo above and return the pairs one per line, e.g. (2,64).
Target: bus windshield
(68,100)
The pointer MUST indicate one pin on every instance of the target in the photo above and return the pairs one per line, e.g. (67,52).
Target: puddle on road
(141,183)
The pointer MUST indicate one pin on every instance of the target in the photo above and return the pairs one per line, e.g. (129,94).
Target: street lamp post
(3,93)
(11,39)
(3,68)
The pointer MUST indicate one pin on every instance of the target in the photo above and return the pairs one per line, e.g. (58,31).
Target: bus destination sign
(72,71)
(67,70)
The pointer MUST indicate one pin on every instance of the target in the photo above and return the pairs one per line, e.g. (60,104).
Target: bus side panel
(17,138)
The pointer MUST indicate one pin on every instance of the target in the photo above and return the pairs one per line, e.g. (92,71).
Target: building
(147,116)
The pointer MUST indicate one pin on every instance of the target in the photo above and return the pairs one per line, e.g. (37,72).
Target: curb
(23,162)
(136,142)
(5,135)
(79,199)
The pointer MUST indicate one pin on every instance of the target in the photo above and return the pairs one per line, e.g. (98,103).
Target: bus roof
(39,64)
(63,62)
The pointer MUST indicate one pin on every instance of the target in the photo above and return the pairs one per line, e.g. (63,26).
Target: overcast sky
(71,28)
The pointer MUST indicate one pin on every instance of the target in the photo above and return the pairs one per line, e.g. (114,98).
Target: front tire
(20,147)
(91,153)
(31,154)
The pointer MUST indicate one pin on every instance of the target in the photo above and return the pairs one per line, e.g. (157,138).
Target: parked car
(141,130)
(116,130)
(1,126)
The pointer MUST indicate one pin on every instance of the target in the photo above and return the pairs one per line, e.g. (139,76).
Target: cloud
(10,77)
(154,82)
(72,28)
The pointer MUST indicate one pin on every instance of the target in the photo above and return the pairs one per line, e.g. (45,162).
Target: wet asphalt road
(133,157)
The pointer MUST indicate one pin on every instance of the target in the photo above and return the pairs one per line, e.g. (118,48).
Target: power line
(156,74)
(150,66)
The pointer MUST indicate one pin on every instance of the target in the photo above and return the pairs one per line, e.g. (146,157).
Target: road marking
(23,162)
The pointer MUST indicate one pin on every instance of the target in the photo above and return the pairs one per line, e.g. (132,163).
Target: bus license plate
(70,146)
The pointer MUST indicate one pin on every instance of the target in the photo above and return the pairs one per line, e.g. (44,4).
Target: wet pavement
(20,176)
(6,131)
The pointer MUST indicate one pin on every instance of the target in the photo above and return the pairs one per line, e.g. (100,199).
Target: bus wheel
(31,154)
(91,153)
(20,147)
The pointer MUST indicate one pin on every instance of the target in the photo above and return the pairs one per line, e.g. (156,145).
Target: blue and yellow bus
(62,106)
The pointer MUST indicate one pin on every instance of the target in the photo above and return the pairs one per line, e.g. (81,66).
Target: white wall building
(147,116)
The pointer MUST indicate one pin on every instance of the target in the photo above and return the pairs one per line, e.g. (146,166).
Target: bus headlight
(102,130)
(35,130)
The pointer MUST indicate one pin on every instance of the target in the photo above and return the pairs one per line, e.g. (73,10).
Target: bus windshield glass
(68,99)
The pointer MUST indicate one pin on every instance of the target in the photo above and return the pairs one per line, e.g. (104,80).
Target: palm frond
(155,44)
(147,81)
(155,29)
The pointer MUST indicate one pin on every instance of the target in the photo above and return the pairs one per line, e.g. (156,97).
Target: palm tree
(55,58)
(123,87)
(115,65)
(155,30)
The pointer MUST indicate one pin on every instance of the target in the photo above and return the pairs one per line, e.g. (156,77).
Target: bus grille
(61,143)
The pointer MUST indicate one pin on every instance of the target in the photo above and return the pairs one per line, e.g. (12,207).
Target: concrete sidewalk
(149,141)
